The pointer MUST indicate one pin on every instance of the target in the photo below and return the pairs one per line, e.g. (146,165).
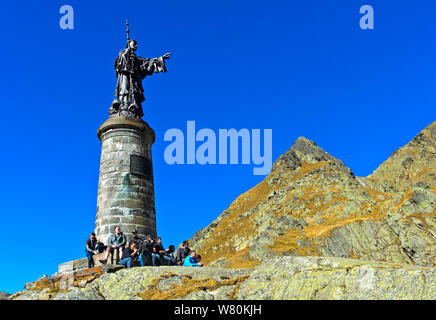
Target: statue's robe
(131,70)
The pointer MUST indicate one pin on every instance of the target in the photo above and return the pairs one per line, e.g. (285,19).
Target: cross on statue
(130,71)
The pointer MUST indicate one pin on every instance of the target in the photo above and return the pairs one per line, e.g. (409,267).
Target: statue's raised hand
(166,55)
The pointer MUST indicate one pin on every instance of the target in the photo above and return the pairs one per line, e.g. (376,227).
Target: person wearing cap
(138,241)
(92,247)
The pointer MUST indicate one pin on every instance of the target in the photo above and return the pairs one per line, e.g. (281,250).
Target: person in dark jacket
(92,247)
(130,255)
(117,241)
(182,253)
(158,252)
(147,250)
(168,257)
(138,241)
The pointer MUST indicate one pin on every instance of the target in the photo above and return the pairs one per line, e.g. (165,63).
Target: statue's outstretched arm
(154,65)
(166,55)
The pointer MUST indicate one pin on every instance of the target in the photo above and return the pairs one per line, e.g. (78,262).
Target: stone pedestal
(125,187)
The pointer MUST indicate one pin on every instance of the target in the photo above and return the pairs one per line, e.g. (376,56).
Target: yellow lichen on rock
(187,286)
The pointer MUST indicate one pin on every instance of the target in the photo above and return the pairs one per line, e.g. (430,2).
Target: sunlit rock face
(410,166)
(312,205)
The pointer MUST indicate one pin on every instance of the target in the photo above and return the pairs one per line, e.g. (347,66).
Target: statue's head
(132,44)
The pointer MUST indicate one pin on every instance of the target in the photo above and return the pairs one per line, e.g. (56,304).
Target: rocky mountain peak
(412,164)
(305,153)
(308,151)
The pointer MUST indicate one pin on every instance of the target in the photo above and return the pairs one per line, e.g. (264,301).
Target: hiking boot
(103,261)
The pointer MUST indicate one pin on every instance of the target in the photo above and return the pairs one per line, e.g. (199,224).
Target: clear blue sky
(300,68)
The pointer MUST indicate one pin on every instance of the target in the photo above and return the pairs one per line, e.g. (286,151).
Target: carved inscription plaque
(141,166)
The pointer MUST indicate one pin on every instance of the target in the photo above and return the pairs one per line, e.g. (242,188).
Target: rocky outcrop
(319,278)
(313,205)
(314,278)
(47,288)
(140,283)
(4,295)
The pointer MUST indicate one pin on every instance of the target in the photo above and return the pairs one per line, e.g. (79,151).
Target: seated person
(93,246)
(168,257)
(182,253)
(158,252)
(117,241)
(147,250)
(130,255)
(191,260)
(136,239)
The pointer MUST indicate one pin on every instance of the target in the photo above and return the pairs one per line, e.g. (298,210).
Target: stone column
(125,187)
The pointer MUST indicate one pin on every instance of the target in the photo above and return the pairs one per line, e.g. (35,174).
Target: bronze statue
(131,70)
